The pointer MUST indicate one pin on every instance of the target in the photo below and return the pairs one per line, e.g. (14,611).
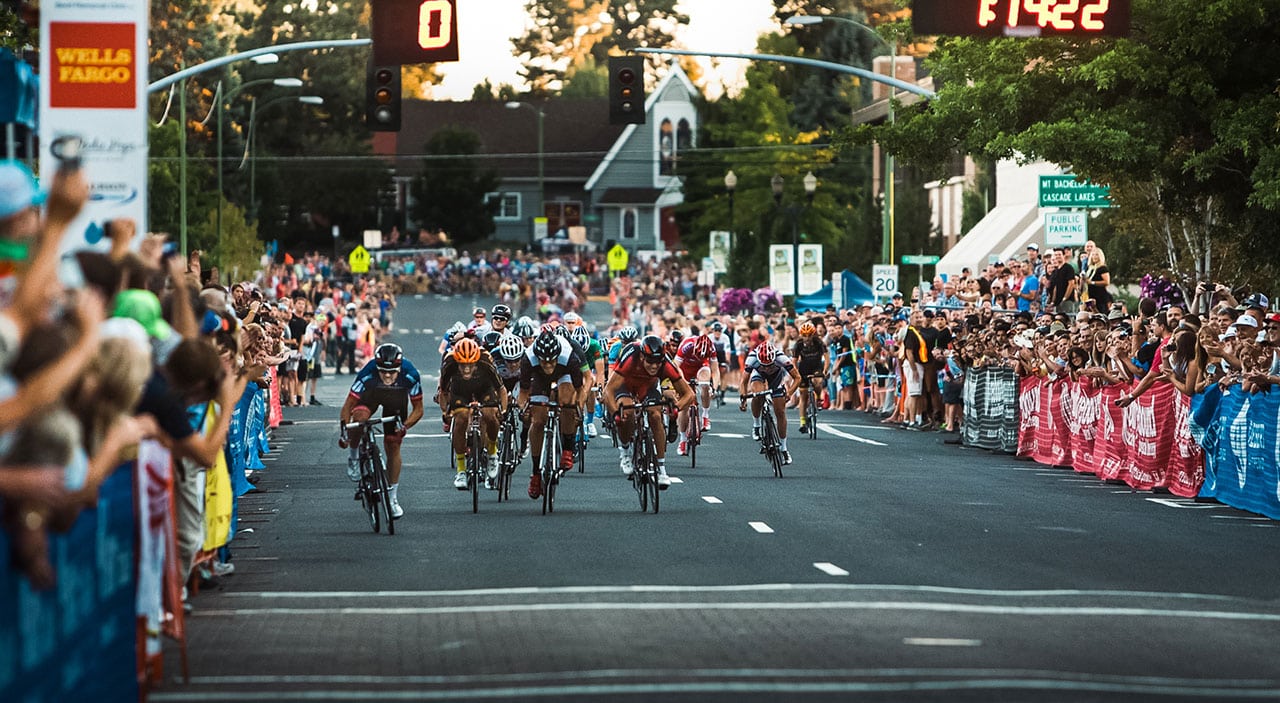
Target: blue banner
(76,641)
(1239,432)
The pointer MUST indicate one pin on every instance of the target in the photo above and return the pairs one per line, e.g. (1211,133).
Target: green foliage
(563,34)
(587,80)
(450,193)
(16,34)
(239,251)
(1180,119)
(164,211)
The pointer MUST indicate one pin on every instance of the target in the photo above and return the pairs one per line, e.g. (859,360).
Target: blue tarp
(854,291)
(1241,443)
(19,91)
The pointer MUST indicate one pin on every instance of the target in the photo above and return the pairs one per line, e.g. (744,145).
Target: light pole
(542,208)
(730,185)
(795,211)
(887,221)
(248,142)
(222,100)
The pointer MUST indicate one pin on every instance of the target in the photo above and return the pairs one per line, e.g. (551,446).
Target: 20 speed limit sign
(884,280)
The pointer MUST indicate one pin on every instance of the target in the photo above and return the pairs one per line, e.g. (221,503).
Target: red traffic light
(383,76)
(626,76)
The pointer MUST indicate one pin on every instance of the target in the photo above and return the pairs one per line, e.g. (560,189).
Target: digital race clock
(1021,18)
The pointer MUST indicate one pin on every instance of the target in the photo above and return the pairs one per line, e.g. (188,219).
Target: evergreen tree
(451,192)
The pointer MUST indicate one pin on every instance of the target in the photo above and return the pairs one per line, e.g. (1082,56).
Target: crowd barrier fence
(1240,433)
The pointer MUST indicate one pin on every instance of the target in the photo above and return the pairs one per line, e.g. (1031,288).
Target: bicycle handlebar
(357,425)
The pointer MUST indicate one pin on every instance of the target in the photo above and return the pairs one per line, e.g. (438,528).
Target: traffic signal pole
(277,49)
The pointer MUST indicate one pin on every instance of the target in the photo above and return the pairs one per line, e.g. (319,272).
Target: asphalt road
(886,565)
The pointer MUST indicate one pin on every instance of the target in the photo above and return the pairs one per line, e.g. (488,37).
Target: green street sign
(920,260)
(1067,191)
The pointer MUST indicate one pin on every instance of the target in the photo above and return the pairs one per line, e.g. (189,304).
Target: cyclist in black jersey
(809,354)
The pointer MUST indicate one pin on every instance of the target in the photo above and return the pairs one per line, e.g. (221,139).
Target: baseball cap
(1257,300)
(351,306)
(1246,320)
(1034,246)
(18,188)
(144,307)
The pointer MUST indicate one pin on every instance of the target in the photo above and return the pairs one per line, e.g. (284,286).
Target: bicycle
(477,459)
(373,490)
(508,451)
(694,438)
(549,460)
(811,411)
(770,444)
(644,457)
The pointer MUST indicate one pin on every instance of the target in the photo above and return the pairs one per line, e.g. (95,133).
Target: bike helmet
(490,340)
(510,347)
(388,357)
(457,329)
(572,318)
(675,337)
(581,336)
(523,328)
(546,347)
(703,346)
(652,348)
(765,354)
(466,352)
(807,329)
(562,331)
(501,312)
(628,334)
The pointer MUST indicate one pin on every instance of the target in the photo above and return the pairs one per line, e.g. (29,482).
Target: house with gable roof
(608,183)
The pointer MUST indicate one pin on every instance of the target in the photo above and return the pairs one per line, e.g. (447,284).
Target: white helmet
(510,347)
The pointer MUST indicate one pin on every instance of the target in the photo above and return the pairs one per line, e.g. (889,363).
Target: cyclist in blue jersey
(392,385)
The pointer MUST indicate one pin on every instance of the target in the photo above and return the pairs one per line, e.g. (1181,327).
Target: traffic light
(382,98)
(414,31)
(626,90)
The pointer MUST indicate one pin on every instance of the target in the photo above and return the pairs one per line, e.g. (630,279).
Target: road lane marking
(425,436)
(940,642)
(712,500)
(829,569)
(726,435)
(880,606)
(1071,530)
(403,330)
(676,479)
(831,430)
(1185,504)
(1238,517)
(761,527)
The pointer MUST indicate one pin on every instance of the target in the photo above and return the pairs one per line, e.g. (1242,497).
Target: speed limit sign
(884,281)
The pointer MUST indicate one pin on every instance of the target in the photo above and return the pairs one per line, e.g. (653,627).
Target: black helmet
(500,311)
(388,357)
(651,348)
(546,347)
(491,340)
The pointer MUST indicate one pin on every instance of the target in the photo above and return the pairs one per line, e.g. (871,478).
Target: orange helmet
(807,329)
(466,351)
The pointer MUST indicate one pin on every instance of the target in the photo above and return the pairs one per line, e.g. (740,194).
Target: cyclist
(626,335)
(448,368)
(525,330)
(393,385)
(550,360)
(641,368)
(724,351)
(499,317)
(696,359)
(811,359)
(595,363)
(768,368)
(479,322)
(474,379)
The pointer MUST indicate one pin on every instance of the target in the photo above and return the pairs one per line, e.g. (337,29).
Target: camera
(66,149)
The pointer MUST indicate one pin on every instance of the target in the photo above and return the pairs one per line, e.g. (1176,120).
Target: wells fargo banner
(93,85)
(1147,444)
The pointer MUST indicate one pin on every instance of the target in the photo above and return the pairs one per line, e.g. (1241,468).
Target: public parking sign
(884,280)
(1066,229)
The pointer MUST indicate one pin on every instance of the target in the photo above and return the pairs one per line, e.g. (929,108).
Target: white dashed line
(726,435)
(712,500)
(829,569)
(831,430)
(940,642)
(676,479)
(761,528)
(403,330)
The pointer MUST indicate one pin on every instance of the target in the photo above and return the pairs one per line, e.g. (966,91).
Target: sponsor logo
(92,64)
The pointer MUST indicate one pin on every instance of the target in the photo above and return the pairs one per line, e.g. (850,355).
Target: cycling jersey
(509,372)
(636,380)
(774,374)
(370,370)
(594,352)
(688,359)
(483,386)
(615,350)
(449,367)
(538,383)
(394,399)
(808,355)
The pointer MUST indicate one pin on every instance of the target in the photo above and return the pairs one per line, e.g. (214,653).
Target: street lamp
(221,100)
(887,221)
(516,105)
(248,142)
(810,182)
(730,185)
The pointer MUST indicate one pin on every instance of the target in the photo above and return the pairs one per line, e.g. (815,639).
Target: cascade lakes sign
(1067,191)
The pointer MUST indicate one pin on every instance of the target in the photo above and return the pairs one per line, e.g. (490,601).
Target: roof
(629,196)
(676,73)
(576,134)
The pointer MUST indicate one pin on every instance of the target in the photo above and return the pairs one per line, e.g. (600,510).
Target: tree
(563,34)
(1179,119)
(239,251)
(451,192)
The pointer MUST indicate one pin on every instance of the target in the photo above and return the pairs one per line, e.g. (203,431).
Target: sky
(484,41)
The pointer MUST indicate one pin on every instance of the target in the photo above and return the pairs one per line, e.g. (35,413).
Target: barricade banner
(991,409)
(155,523)
(76,642)
(1241,449)
(1147,444)
(275,412)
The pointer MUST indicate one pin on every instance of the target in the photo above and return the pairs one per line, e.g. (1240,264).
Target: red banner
(274,412)
(1147,444)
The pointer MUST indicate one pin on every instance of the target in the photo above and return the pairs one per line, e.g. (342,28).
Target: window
(684,136)
(666,149)
(629,224)
(508,205)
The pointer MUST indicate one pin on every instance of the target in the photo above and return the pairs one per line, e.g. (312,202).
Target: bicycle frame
(549,459)
(373,489)
(770,443)
(644,455)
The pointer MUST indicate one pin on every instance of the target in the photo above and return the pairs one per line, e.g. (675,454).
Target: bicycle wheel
(550,460)
(370,501)
(384,488)
(580,451)
(640,469)
(475,470)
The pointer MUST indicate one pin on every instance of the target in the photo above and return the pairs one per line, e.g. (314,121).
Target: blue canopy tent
(19,99)
(853,291)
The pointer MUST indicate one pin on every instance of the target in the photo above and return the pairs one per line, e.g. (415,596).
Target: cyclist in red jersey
(641,367)
(697,362)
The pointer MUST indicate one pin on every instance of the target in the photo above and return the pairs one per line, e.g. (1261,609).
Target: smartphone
(66,149)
